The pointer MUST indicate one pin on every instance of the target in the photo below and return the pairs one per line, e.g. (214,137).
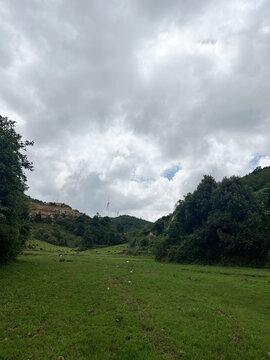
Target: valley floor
(103,305)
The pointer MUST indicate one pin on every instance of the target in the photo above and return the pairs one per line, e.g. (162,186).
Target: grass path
(107,306)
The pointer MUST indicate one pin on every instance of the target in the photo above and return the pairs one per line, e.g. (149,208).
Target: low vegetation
(99,304)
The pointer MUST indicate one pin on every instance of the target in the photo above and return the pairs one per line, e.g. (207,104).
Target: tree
(222,221)
(239,222)
(192,212)
(13,203)
(88,239)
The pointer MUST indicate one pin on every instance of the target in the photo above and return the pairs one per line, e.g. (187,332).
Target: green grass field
(108,306)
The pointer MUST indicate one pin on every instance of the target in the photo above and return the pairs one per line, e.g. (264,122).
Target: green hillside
(127,223)
(82,231)
(54,234)
(258,179)
(220,222)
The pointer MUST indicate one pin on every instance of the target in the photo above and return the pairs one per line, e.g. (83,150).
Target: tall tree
(224,221)
(13,204)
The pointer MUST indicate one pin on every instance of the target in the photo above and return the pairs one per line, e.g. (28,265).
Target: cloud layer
(131,102)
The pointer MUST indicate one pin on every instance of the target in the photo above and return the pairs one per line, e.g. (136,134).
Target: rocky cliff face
(51,209)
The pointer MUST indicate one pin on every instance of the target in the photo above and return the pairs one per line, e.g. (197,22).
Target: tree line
(14,226)
(82,231)
(220,222)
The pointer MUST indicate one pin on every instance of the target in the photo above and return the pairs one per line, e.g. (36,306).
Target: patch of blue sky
(170,173)
(255,161)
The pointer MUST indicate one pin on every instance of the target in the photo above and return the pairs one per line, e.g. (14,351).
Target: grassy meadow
(103,305)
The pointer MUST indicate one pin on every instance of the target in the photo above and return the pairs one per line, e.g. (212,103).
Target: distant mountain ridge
(124,223)
(59,224)
(128,223)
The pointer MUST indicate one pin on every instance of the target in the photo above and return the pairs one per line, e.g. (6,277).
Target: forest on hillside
(82,232)
(219,223)
(223,222)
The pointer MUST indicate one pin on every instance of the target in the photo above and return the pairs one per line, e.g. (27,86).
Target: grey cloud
(77,70)
(84,57)
(79,193)
(172,10)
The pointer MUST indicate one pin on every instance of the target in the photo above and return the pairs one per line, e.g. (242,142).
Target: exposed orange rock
(51,209)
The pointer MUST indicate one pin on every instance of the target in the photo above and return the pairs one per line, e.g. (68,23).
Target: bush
(9,243)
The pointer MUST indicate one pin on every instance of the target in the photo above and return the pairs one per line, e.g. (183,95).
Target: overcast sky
(132,101)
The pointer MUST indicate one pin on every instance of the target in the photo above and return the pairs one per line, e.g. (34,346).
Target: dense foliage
(144,241)
(127,223)
(82,231)
(13,203)
(259,179)
(219,222)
